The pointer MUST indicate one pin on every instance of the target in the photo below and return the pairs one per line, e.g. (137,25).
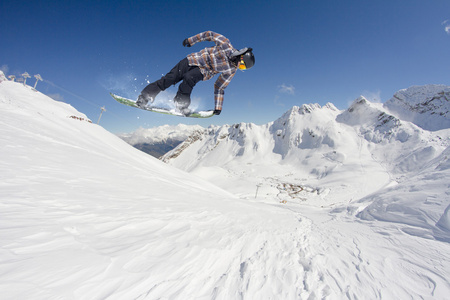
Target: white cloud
(446,24)
(287,89)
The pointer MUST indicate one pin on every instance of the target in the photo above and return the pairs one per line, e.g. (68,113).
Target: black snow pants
(182,71)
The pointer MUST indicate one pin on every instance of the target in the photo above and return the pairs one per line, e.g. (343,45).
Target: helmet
(247,60)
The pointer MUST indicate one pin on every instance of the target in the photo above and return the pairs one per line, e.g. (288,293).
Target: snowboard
(193,114)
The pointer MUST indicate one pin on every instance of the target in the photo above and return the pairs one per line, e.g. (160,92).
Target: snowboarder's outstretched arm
(210,36)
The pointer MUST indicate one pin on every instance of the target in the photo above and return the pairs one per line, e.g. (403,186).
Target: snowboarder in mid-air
(223,58)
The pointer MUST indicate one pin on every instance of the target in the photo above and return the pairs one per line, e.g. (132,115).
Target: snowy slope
(86,216)
(83,215)
(416,161)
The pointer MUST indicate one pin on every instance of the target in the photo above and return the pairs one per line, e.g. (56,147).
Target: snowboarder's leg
(173,77)
(190,79)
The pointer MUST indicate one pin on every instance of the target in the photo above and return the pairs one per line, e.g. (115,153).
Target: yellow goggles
(242,65)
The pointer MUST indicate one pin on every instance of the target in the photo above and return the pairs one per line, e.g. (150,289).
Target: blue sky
(306,52)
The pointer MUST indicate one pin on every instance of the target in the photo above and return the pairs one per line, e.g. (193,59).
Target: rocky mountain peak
(426,106)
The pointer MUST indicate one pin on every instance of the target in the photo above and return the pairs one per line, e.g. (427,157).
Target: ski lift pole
(103,109)
(38,77)
(257,187)
(25,76)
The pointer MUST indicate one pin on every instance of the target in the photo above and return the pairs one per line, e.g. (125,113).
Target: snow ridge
(426,106)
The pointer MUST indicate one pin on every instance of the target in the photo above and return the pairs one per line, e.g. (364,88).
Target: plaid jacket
(214,60)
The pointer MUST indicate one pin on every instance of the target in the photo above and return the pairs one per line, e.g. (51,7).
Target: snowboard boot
(183,110)
(182,104)
(143,99)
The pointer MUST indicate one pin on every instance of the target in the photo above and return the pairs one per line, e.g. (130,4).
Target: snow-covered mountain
(83,215)
(307,154)
(426,106)
(159,140)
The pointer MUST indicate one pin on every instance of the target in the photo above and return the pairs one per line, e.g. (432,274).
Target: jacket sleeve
(219,87)
(208,36)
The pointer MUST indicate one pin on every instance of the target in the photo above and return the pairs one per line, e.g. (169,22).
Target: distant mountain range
(409,117)
(320,154)
(425,106)
(160,140)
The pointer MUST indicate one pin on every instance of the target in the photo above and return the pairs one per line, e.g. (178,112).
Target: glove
(217,112)
(186,43)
